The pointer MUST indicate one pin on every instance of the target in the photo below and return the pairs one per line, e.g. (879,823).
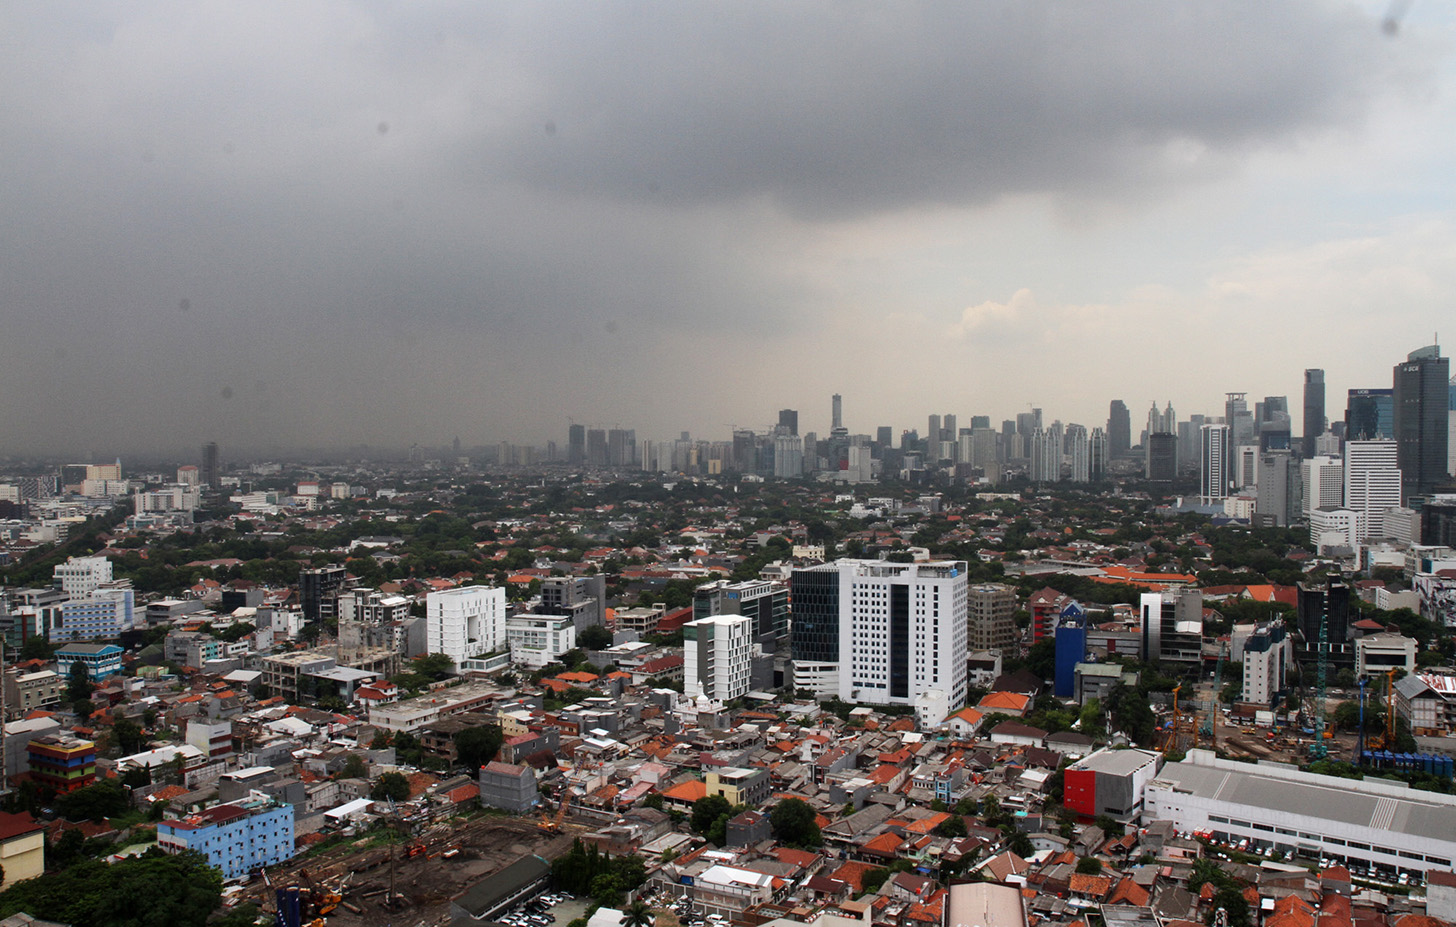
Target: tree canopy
(793,823)
(141,891)
(477,746)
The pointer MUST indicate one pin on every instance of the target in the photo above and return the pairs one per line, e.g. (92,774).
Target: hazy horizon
(283,226)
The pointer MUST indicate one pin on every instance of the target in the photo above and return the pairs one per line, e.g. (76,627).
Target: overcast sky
(323,224)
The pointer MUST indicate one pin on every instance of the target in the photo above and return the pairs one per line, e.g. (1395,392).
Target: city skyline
(487,222)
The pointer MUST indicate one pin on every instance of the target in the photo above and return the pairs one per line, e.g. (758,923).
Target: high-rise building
(991,612)
(1119,429)
(238,838)
(1279,495)
(788,457)
(1422,420)
(1097,456)
(1324,483)
(932,438)
(1246,466)
(1268,652)
(576,444)
(884,436)
(621,447)
(318,591)
(596,447)
(886,633)
(1161,455)
(1314,408)
(1370,415)
(79,577)
(717,657)
(1214,460)
(1079,448)
(1241,429)
(1172,625)
(837,428)
(466,622)
(211,468)
(789,421)
(584,598)
(1372,483)
(1046,454)
(764,601)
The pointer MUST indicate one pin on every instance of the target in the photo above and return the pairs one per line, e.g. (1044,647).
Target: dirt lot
(427,881)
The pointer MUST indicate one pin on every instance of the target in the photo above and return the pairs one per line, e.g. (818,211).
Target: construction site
(408,879)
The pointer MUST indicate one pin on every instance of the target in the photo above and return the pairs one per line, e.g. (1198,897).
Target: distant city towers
(1119,429)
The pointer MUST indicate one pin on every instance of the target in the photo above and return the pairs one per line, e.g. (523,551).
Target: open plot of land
(423,882)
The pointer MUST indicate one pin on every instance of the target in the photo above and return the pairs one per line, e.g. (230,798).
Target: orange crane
(553,825)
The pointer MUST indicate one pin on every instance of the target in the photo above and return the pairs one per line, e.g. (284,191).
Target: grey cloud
(399,216)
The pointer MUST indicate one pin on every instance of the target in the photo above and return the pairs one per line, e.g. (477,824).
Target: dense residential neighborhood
(711,700)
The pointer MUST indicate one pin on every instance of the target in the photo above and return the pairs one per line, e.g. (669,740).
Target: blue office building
(1071,638)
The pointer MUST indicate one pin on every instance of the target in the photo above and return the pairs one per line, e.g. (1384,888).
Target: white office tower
(1267,655)
(717,657)
(80,577)
(788,460)
(1324,483)
(1372,484)
(466,622)
(902,631)
(1246,466)
(1214,456)
(1079,448)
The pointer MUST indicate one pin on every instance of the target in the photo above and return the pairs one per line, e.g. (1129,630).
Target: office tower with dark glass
(210,468)
(1314,408)
(789,421)
(1119,429)
(576,444)
(1369,415)
(1421,421)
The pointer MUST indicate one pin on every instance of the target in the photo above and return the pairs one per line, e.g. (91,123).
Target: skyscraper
(1097,453)
(1314,408)
(210,465)
(576,444)
(789,421)
(881,633)
(1369,415)
(1372,483)
(1421,398)
(1214,457)
(1079,448)
(1119,429)
(838,417)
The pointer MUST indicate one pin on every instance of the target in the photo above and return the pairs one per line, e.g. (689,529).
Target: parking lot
(550,909)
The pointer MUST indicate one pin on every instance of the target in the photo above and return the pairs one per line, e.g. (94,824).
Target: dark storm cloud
(843,108)
(305,223)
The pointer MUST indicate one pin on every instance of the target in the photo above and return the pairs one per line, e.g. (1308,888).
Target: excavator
(553,825)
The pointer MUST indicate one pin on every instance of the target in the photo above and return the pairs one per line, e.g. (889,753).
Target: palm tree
(638,915)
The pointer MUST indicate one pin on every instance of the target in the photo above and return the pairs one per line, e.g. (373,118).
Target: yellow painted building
(22,848)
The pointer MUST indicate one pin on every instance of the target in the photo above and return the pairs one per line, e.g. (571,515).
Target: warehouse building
(1371,824)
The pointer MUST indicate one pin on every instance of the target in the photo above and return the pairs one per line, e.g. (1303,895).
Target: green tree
(953,826)
(37,648)
(477,746)
(1041,659)
(637,915)
(391,785)
(793,823)
(1232,900)
(155,888)
(354,768)
(106,798)
(78,683)
(128,736)
(594,637)
(1021,845)
(1089,865)
(706,812)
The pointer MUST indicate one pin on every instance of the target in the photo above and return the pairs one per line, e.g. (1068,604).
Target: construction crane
(1318,750)
(1387,737)
(553,825)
